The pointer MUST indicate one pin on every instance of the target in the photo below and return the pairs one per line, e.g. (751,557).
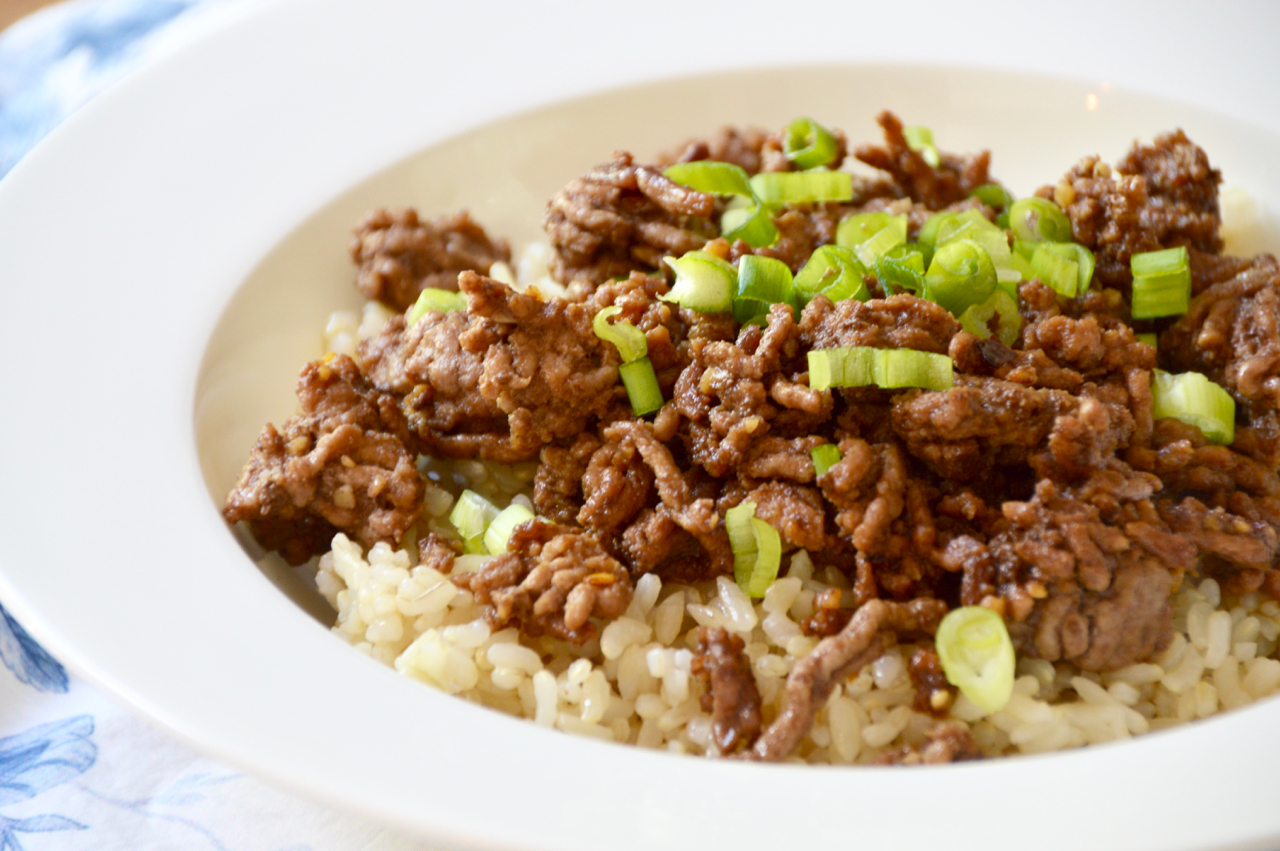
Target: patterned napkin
(78,771)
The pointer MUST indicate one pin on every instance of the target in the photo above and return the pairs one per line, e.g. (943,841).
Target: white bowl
(169,258)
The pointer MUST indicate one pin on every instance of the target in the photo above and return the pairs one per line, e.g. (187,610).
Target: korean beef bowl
(879,433)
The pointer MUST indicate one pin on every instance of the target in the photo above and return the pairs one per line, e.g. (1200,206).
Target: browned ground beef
(621,216)
(1040,485)
(338,466)
(400,255)
(731,694)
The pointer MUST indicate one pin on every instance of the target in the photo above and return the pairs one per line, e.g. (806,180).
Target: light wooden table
(11,10)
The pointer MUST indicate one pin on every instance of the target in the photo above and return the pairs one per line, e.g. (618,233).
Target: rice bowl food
(1038,465)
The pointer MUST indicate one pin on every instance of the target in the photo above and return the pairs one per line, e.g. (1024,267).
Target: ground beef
(943,743)
(400,255)
(725,393)
(934,694)
(730,693)
(1097,567)
(552,579)
(510,375)
(338,466)
(897,322)
(740,146)
(1231,333)
(1165,195)
(912,177)
(558,484)
(621,216)
(870,631)
(980,423)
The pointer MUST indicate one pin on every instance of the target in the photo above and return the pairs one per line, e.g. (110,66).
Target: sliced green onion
(977,656)
(704,282)
(858,228)
(1082,256)
(714,178)
(438,300)
(1161,283)
(629,339)
(499,531)
(960,275)
(1150,338)
(1194,399)
(765,278)
(1039,220)
(832,271)
(1061,274)
(901,269)
(888,237)
(757,549)
(920,140)
(971,224)
(993,195)
(802,187)
(471,516)
(976,319)
(860,366)
(751,311)
(808,144)
(928,234)
(751,223)
(642,386)
(824,458)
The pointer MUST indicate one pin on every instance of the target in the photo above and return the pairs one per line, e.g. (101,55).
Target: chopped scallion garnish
(765,278)
(712,177)
(860,366)
(752,223)
(824,458)
(802,187)
(499,531)
(833,271)
(994,196)
(757,549)
(1194,399)
(901,269)
(471,516)
(808,144)
(960,275)
(999,306)
(704,282)
(977,656)
(642,386)
(438,300)
(1161,283)
(920,140)
(1039,220)
(628,339)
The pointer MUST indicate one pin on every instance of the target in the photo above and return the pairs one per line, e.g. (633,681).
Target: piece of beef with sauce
(400,254)
(501,380)
(340,465)
(621,217)
(552,580)
(1159,196)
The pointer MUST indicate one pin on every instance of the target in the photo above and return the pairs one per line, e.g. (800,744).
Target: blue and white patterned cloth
(78,771)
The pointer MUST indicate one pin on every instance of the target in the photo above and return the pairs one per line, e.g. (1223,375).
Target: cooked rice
(633,683)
